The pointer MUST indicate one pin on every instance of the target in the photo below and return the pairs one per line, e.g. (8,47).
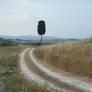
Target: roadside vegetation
(5,44)
(74,57)
(12,78)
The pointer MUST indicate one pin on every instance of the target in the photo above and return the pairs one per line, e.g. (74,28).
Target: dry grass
(74,57)
(39,72)
(13,80)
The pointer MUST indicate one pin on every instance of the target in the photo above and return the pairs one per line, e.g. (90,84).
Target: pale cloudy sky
(64,18)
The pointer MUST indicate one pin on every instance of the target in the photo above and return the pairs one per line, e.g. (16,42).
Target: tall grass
(70,57)
(13,80)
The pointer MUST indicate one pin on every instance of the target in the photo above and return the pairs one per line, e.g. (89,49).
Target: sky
(64,18)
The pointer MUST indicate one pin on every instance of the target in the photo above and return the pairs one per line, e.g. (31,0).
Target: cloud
(66,17)
(24,2)
(24,17)
(14,15)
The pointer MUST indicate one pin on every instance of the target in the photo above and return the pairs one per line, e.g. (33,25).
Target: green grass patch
(4,44)
(14,81)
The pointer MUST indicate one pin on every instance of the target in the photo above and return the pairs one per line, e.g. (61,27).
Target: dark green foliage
(41,27)
(7,44)
(38,44)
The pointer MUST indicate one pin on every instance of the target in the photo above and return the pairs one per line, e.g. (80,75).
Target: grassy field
(5,44)
(13,80)
(73,57)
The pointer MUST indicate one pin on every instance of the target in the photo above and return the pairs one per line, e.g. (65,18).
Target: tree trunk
(41,40)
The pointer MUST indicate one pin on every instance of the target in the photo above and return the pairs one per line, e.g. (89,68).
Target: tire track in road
(30,75)
(42,75)
(83,86)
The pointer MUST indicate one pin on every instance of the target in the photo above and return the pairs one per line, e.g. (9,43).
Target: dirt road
(33,70)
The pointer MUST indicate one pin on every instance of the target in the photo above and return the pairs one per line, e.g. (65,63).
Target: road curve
(65,79)
(53,77)
(32,76)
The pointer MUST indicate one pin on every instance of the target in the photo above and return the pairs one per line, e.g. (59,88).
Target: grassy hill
(74,57)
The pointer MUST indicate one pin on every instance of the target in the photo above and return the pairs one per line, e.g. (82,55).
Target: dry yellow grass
(13,79)
(71,57)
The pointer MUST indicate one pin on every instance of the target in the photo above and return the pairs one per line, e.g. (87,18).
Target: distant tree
(41,29)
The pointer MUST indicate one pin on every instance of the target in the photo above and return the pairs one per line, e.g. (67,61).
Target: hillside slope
(70,57)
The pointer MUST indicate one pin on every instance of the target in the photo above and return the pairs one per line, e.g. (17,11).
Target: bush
(7,44)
